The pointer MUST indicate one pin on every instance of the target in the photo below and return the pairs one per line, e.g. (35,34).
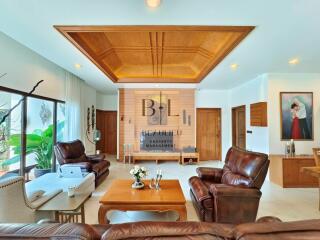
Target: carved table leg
(102,215)
(182,211)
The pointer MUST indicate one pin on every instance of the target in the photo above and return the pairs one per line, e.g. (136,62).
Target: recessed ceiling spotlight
(77,65)
(293,61)
(234,66)
(153,3)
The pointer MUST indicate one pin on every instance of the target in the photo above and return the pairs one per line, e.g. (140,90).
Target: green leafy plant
(39,143)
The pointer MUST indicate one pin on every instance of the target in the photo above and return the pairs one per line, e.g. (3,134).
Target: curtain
(79,97)
(74,112)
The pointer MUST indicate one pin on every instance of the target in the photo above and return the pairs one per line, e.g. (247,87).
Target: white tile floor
(287,204)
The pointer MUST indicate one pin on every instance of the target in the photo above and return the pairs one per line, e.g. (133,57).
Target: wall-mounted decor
(171,135)
(45,113)
(184,116)
(296,114)
(155,108)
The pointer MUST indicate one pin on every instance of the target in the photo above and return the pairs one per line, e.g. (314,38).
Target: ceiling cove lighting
(234,66)
(153,3)
(77,65)
(293,61)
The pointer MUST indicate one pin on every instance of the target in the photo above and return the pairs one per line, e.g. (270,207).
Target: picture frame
(296,116)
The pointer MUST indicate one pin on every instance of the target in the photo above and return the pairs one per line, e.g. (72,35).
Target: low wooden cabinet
(286,171)
(189,158)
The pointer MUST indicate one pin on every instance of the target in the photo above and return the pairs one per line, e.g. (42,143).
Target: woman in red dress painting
(295,127)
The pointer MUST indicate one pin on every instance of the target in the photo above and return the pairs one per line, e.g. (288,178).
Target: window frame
(25,95)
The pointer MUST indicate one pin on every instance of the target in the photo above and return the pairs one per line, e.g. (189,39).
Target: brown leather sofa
(73,153)
(266,229)
(231,194)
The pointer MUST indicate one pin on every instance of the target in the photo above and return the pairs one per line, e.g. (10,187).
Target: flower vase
(138,184)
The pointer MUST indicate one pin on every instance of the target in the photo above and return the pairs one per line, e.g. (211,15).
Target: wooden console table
(286,171)
(156,156)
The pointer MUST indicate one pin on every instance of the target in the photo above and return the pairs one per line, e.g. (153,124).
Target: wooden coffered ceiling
(155,54)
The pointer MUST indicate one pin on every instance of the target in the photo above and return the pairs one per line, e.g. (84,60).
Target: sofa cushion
(242,167)
(101,167)
(48,231)
(169,230)
(308,229)
(74,149)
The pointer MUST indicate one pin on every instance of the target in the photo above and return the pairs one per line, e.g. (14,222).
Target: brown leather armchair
(73,153)
(231,194)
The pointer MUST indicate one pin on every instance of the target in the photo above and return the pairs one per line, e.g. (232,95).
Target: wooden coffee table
(120,196)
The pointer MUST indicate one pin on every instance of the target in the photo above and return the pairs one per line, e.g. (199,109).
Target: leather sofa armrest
(83,165)
(268,219)
(96,157)
(212,174)
(199,189)
(234,191)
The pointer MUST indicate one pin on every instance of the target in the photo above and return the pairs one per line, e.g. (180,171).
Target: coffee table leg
(102,215)
(182,211)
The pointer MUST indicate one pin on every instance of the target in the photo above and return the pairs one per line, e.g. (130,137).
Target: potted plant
(40,144)
(138,173)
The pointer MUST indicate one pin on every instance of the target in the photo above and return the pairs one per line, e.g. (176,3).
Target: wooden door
(209,133)
(107,124)
(239,127)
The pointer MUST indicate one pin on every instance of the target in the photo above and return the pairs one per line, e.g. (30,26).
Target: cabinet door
(290,172)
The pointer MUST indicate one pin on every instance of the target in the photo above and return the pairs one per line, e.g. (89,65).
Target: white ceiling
(285,29)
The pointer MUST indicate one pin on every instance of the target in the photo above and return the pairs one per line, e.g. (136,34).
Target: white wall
(107,102)
(25,68)
(292,83)
(218,99)
(254,91)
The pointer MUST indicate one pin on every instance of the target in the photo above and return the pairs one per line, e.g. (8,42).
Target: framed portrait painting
(296,116)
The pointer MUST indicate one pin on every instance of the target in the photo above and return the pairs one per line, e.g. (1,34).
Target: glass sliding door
(10,133)
(39,134)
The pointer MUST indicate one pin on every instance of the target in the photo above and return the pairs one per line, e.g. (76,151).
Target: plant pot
(40,172)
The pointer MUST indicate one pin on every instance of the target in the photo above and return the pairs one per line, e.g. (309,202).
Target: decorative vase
(138,184)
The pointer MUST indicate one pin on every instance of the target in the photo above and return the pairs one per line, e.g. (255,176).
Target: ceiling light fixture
(157,85)
(77,65)
(294,61)
(234,66)
(153,3)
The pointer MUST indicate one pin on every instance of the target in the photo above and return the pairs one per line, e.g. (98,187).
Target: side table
(67,209)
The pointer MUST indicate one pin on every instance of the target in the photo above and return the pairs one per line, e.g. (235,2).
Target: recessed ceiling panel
(181,54)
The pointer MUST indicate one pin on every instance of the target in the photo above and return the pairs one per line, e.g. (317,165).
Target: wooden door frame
(233,130)
(220,111)
(111,111)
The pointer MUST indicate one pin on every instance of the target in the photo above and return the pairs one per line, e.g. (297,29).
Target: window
(39,134)
(10,133)
(61,111)
(32,120)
